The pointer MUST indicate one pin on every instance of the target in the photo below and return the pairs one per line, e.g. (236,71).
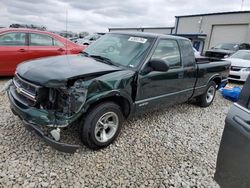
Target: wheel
(207,98)
(101,125)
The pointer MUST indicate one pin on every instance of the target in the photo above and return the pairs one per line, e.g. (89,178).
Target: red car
(18,45)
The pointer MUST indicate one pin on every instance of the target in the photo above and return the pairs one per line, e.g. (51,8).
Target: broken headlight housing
(67,101)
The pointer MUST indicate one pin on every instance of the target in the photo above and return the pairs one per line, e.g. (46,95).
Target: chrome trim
(200,87)
(33,85)
(23,91)
(242,108)
(161,96)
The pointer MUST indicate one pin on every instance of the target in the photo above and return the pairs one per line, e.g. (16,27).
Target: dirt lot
(172,147)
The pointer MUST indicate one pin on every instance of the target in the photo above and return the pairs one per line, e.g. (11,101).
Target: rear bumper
(223,83)
(27,115)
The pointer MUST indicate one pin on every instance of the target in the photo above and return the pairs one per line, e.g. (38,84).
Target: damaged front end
(47,110)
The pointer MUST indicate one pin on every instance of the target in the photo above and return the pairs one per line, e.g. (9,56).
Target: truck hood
(56,71)
(239,62)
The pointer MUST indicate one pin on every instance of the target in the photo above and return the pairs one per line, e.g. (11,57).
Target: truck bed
(206,70)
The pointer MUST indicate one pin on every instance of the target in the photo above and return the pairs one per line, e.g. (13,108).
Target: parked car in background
(233,164)
(18,45)
(88,39)
(31,26)
(226,49)
(83,34)
(73,39)
(100,88)
(240,65)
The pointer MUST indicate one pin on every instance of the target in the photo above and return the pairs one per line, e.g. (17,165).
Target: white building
(161,30)
(206,30)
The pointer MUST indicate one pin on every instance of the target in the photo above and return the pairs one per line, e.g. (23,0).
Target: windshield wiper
(85,53)
(103,59)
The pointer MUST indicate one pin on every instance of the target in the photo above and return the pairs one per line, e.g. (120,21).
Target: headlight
(246,69)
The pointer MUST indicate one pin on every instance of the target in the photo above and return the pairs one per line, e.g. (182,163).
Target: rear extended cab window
(187,52)
(13,39)
(168,50)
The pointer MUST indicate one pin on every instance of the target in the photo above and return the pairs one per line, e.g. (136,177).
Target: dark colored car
(100,88)
(18,45)
(225,49)
(233,161)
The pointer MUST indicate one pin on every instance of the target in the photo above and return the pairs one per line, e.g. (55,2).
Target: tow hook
(55,133)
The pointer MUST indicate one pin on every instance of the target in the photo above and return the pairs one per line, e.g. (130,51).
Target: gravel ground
(172,147)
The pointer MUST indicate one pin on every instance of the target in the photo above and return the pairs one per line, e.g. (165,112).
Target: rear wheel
(101,125)
(207,98)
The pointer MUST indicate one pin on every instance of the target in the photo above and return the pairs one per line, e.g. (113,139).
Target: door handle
(61,50)
(22,50)
(242,122)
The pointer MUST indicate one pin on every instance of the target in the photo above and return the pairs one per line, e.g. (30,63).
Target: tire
(96,135)
(207,98)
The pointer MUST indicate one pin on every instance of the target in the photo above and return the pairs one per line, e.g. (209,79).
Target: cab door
(233,161)
(13,50)
(176,85)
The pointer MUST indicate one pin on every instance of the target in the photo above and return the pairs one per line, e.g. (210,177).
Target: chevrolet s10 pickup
(120,75)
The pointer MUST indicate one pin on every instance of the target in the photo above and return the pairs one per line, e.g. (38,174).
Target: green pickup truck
(120,75)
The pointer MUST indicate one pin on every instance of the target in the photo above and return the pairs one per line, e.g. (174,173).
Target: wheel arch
(125,103)
(217,79)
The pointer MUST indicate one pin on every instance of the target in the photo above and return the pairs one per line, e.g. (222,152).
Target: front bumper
(68,148)
(238,75)
(31,115)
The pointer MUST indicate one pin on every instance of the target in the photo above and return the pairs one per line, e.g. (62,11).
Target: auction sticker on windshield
(137,39)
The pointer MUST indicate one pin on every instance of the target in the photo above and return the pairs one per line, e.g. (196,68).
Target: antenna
(66,31)
(242,5)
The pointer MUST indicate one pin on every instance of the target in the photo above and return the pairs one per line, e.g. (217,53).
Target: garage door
(228,33)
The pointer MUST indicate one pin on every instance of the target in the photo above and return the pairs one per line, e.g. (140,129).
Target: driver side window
(168,50)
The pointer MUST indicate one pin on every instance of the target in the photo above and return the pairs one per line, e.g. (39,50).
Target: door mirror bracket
(156,65)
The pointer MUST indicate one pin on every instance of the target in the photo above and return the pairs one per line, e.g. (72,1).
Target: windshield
(227,46)
(242,55)
(124,50)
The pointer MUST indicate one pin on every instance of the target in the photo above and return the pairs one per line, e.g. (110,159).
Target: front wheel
(207,98)
(101,125)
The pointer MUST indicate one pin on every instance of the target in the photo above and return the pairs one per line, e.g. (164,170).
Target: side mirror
(156,65)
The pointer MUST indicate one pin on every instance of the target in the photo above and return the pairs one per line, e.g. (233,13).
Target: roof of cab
(150,35)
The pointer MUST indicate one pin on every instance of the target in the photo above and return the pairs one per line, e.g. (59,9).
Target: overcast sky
(99,15)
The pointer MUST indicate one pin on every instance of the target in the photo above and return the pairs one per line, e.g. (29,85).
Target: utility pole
(242,5)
